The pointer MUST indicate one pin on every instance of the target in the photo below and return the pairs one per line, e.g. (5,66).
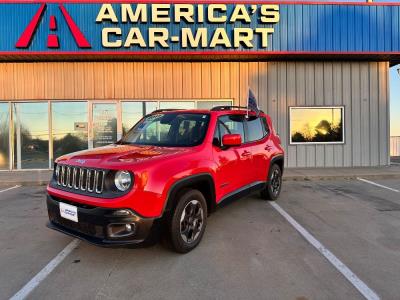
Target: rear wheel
(273,187)
(188,221)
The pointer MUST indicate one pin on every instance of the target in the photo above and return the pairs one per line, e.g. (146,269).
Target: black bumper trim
(92,225)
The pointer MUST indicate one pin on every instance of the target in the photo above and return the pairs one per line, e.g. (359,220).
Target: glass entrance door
(104,124)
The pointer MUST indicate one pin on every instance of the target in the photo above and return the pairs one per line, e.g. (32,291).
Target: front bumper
(94,224)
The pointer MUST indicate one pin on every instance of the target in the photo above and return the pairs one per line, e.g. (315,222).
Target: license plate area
(69,212)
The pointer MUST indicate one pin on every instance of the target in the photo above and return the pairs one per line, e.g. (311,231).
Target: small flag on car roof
(252,103)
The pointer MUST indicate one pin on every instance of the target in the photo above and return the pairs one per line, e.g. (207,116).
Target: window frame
(266,132)
(341,107)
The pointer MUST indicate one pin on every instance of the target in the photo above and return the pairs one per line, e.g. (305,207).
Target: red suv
(169,172)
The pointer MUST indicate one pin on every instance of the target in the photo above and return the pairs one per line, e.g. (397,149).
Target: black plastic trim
(278,158)
(93,222)
(243,192)
(187,182)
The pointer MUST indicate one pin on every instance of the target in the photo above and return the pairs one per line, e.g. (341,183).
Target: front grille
(77,178)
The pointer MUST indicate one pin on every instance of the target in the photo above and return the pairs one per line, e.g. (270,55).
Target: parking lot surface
(249,250)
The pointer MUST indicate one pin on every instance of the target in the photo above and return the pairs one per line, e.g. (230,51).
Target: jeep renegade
(170,171)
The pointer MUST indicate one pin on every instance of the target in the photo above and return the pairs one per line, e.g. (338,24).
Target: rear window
(255,129)
(265,124)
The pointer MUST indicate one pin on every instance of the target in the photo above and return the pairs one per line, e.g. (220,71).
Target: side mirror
(231,140)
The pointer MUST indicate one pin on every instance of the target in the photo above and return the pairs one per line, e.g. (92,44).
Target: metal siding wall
(362,87)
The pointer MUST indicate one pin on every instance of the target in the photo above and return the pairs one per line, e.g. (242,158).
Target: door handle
(246,153)
(268,148)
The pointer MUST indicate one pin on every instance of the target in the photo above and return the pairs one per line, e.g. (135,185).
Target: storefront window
(132,112)
(177,104)
(310,125)
(31,135)
(104,124)
(211,104)
(70,127)
(4,135)
(150,107)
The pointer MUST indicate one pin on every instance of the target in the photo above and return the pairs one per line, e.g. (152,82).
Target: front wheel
(188,222)
(274,184)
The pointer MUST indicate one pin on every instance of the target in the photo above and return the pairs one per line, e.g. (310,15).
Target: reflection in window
(177,105)
(233,124)
(133,112)
(255,129)
(31,135)
(4,135)
(316,125)
(150,107)
(169,130)
(70,127)
(211,104)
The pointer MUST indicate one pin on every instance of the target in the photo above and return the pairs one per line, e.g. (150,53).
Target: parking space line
(39,277)
(11,188)
(339,265)
(378,185)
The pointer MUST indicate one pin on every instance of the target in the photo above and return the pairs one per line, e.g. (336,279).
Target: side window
(266,128)
(231,124)
(255,129)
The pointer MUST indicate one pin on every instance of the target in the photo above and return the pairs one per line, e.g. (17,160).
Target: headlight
(123,180)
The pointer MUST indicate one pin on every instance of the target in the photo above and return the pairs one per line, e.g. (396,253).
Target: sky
(394,102)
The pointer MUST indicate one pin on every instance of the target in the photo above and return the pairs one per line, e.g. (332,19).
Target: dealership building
(77,74)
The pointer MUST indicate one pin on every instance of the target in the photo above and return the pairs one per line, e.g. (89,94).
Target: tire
(188,221)
(273,186)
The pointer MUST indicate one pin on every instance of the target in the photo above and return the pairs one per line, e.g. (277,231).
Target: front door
(234,171)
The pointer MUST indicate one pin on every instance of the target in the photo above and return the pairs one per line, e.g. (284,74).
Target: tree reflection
(68,144)
(325,131)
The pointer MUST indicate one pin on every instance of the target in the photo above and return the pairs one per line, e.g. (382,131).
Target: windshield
(169,130)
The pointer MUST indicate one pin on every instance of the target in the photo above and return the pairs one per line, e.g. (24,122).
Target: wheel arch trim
(190,181)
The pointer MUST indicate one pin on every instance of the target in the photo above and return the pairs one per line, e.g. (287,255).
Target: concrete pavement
(248,252)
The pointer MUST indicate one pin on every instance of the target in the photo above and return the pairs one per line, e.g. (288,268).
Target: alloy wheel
(275,182)
(192,220)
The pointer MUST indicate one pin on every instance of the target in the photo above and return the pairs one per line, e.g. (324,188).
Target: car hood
(117,154)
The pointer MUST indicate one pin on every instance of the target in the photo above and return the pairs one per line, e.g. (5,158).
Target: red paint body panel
(157,169)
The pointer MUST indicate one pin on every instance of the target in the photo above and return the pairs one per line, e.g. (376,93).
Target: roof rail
(220,108)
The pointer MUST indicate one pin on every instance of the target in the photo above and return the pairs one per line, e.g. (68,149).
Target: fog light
(120,230)
(122,213)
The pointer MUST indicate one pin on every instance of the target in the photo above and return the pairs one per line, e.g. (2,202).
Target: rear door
(257,141)
(234,163)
